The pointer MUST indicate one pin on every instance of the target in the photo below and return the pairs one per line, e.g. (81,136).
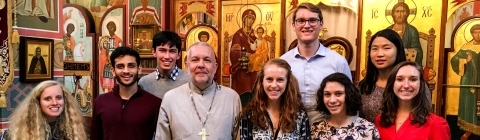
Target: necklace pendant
(204,134)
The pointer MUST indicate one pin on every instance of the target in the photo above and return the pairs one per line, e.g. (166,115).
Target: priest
(201,109)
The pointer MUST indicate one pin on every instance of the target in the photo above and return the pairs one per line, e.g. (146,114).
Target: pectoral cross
(204,134)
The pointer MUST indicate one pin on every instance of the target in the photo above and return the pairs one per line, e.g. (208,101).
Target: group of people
(305,94)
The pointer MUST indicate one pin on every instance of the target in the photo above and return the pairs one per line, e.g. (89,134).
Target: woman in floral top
(276,111)
(340,100)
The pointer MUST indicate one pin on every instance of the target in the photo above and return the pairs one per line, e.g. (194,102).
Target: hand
(469,57)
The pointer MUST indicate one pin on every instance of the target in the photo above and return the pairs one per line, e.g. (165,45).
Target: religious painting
(98,8)
(142,38)
(190,13)
(417,22)
(58,54)
(186,23)
(38,14)
(113,25)
(85,3)
(464,12)
(455,5)
(350,4)
(192,19)
(78,53)
(106,45)
(463,67)
(112,36)
(36,59)
(250,38)
(338,49)
(340,45)
(461,11)
(99,5)
(201,33)
(77,45)
(145,12)
(82,90)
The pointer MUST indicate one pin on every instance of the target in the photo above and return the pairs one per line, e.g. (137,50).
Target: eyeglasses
(312,22)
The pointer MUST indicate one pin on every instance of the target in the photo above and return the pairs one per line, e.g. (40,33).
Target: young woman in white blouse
(340,100)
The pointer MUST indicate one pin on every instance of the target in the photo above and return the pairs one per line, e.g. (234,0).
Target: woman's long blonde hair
(29,122)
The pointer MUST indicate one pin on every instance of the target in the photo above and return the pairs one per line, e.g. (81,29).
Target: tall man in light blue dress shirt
(310,60)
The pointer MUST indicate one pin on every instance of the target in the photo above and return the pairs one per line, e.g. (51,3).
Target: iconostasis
(419,25)
(246,33)
(92,30)
(250,37)
(78,44)
(79,35)
(196,21)
(462,57)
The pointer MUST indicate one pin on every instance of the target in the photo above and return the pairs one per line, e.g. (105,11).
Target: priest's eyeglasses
(312,22)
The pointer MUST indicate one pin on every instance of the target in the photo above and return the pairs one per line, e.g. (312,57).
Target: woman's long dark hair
(419,104)
(367,85)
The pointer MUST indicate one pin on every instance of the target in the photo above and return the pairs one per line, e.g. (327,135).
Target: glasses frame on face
(312,22)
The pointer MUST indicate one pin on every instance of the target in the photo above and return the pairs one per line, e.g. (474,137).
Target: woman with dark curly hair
(406,109)
(49,112)
(340,100)
(276,111)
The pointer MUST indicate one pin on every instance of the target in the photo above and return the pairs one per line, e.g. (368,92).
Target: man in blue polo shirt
(310,60)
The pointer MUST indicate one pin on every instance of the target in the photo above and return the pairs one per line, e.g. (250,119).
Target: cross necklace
(204,132)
